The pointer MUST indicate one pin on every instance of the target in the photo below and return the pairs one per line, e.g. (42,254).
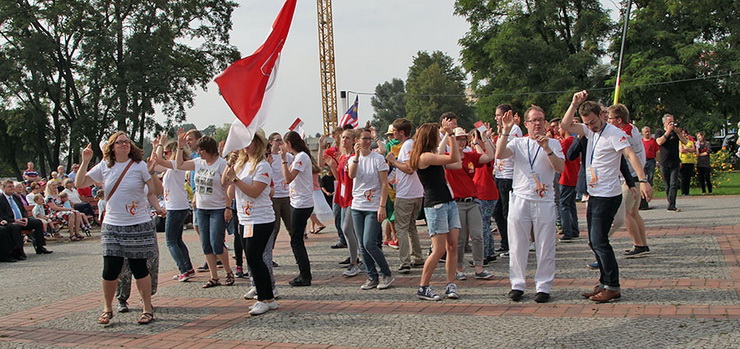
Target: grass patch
(729,186)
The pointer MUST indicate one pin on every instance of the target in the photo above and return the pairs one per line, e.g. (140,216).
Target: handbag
(113,190)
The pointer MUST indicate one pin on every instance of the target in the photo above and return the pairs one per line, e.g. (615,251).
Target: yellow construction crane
(326,65)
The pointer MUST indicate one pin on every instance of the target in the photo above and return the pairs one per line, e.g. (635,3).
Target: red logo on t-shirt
(623,139)
(299,163)
(265,174)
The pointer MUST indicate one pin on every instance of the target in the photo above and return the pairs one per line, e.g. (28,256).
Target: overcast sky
(374,41)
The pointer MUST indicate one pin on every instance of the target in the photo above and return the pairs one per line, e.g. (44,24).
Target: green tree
(389,103)
(516,48)
(436,85)
(220,133)
(682,40)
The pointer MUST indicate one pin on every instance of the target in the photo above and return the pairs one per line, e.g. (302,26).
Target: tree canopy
(389,103)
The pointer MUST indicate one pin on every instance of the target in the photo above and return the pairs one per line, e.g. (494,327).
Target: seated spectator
(73,172)
(20,190)
(39,212)
(11,244)
(85,223)
(35,189)
(74,198)
(74,222)
(100,195)
(30,173)
(60,172)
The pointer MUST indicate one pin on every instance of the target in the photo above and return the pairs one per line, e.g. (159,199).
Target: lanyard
(593,149)
(529,155)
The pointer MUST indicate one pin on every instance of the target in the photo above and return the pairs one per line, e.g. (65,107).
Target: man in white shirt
(535,159)
(503,171)
(409,194)
(606,146)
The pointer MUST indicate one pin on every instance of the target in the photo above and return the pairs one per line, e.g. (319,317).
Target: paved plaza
(684,295)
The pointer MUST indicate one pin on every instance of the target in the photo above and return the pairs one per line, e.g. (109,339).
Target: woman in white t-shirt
(299,176)
(127,229)
(177,205)
(73,218)
(369,195)
(251,180)
(211,203)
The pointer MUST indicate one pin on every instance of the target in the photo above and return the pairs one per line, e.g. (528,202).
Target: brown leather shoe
(596,291)
(605,296)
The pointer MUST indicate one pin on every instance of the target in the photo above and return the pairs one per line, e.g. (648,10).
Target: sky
(374,41)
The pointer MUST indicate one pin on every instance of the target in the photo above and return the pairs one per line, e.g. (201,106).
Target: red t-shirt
(569,176)
(651,148)
(343,195)
(484,182)
(461,181)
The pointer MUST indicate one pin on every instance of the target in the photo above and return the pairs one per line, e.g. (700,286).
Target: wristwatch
(235,179)
(644,180)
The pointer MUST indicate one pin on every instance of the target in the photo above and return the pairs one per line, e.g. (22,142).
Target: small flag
(480,126)
(296,126)
(350,117)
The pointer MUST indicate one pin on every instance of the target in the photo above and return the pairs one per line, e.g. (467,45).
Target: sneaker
(426,293)
(504,254)
(484,275)
(566,238)
(370,284)
(239,272)
(203,268)
(472,263)
(339,245)
(532,247)
(385,282)
(674,209)
(299,281)
(122,307)
(393,244)
(251,294)
(460,276)
(501,250)
(637,252)
(516,295)
(183,277)
(489,259)
(404,269)
(261,307)
(451,291)
(346,261)
(353,270)
(219,264)
(593,266)
(542,297)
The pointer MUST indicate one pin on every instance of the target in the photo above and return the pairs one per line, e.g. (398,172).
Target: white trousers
(525,216)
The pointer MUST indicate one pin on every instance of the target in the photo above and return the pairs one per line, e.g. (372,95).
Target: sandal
(105,317)
(79,236)
(74,238)
(146,318)
(318,230)
(211,283)
(229,279)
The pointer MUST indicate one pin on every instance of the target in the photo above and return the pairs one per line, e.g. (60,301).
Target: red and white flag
(480,126)
(296,126)
(248,84)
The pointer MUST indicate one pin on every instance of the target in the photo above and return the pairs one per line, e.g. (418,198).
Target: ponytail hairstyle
(426,140)
(297,143)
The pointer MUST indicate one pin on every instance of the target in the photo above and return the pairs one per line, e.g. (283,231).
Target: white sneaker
(532,246)
(385,282)
(459,275)
(353,270)
(251,294)
(261,308)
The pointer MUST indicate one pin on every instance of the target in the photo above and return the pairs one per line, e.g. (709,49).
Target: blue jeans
(212,230)
(367,229)
(599,216)
(568,211)
(337,211)
(173,236)
(486,210)
(442,217)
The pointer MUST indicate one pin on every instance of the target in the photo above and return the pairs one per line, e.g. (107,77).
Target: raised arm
(567,122)
(502,152)
(354,161)
(81,179)
(180,163)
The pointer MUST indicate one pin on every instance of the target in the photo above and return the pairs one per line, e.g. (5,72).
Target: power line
(730,74)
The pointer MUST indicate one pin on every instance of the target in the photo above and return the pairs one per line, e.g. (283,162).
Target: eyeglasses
(536,120)
(123,141)
(367,138)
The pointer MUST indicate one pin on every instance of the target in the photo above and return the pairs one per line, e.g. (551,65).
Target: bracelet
(235,179)
(151,173)
(382,206)
(505,134)
(550,153)
(355,161)
(285,162)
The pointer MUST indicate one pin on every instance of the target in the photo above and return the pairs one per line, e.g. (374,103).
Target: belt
(467,199)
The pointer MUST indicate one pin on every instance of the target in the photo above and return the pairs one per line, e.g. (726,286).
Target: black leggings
(298,220)
(112,267)
(254,247)
(239,245)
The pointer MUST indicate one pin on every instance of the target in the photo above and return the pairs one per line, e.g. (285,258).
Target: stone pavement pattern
(684,295)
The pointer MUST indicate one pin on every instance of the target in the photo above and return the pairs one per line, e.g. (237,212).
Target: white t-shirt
(408,186)
(533,174)
(209,192)
(635,140)
(175,196)
(255,210)
(504,168)
(301,188)
(73,195)
(366,186)
(603,156)
(129,205)
(281,189)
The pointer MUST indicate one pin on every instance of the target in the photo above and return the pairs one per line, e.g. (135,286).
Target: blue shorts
(442,217)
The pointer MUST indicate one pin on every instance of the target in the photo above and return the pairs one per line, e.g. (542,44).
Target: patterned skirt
(132,241)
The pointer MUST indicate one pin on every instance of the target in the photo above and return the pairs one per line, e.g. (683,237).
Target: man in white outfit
(536,158)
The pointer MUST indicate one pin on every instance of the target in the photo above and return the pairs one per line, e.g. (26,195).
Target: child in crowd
(39,211)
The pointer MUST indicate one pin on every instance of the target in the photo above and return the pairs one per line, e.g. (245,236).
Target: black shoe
(566,238)
(346,261)
(490,259)
(485,262)
(516,295)
(417,264)
(219,264)
(299,282)
(468,249)
(43,250)
(21,256)
(339,245)
(404,269)
(542,297)
(202,268)
(274,264)
(8,260)
(637,252)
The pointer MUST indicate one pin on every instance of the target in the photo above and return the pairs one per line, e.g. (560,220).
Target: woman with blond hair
(440,209)
(127,230)
(56,205)
(250,180)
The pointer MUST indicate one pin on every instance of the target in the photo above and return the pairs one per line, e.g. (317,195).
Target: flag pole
(617,89)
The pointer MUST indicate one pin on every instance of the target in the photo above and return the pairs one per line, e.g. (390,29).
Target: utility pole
(621,51)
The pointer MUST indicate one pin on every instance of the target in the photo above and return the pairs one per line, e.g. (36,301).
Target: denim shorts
(442,217)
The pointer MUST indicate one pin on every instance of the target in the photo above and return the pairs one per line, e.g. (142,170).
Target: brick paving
(684,295)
